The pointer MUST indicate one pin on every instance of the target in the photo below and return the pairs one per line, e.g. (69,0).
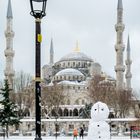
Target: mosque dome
(70,72)
(76,56)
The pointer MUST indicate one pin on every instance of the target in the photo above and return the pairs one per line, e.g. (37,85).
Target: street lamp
(38,8)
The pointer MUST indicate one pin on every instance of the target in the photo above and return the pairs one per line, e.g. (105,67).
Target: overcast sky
(91,22)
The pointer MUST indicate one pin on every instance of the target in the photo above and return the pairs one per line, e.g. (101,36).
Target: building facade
(72,72)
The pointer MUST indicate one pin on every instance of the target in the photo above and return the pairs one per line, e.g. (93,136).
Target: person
(75,133)
(81,133)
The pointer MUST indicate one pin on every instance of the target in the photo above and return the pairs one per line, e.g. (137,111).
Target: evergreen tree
(85,113)
(9,112)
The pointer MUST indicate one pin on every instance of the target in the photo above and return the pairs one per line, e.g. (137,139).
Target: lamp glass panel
(37,6)
(38,0)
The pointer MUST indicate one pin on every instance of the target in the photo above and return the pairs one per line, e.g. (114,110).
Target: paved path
(59,138)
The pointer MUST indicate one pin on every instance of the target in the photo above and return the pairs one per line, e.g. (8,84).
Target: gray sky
(91,22)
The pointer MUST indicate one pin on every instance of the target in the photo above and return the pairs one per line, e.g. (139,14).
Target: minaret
(128,63)
(51,53)
(119,47)
(9,53)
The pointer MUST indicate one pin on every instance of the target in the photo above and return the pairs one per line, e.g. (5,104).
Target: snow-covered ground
(58,138)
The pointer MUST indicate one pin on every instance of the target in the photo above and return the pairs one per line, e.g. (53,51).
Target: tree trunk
(7,131)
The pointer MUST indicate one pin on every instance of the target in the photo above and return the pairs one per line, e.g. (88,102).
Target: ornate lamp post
(38,8)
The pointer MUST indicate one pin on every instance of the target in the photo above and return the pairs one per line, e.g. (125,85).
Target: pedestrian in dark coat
(81,133)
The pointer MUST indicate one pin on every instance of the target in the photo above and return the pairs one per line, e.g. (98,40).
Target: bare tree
(105,91)
(21,84)
(52,97)
(22,81)
(136,104)
(98,90)
(124,102)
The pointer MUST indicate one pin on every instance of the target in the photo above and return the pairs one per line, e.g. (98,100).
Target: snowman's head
(99,111)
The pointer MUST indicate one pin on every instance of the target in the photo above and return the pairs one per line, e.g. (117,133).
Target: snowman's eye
(95,109)
(102,109)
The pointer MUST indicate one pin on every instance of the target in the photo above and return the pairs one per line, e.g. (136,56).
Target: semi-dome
(76,56)
(70,72)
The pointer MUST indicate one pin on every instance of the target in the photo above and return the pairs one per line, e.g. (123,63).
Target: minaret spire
(51,53)
(128,63)
(9,10)
(120,5)
(9,53)
(119,47)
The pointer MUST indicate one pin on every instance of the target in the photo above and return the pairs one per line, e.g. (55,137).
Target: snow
(69,71)
(58,138)
(76,56)
(65,82)
(99,112)
(79,120)
(98,127)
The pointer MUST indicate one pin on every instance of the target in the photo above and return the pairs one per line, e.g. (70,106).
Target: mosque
(73,71)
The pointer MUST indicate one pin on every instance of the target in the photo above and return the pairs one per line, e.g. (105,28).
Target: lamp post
(38,8)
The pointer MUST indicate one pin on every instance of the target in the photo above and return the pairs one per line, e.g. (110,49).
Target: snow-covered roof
(69,72)
(76,56)
(81,120)
(72,83)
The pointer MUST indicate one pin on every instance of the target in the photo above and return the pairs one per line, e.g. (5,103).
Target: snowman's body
(98,128)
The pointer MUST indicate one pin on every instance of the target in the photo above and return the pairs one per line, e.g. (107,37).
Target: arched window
(60,112)
(111,115)
(79,63)
(26,112)
(75,112)
(65,112)
(53,112)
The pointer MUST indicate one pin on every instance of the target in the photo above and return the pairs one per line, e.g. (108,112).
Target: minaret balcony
(128,75)
(128,62)
(119,27)
(9,34)
(9,72)
(9,52)
(120,68)
(119,47)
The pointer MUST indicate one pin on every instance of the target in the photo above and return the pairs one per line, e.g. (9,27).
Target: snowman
(98,128)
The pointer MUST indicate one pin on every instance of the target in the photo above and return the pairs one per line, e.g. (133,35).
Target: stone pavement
(58,138)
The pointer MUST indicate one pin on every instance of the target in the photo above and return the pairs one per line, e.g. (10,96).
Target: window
(75,112)
(78,63)
(65,112)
